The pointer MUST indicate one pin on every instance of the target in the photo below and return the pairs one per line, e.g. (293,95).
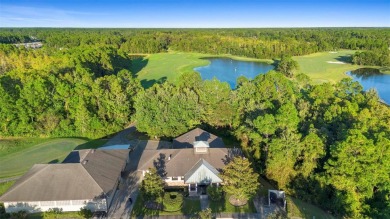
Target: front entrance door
(203,189)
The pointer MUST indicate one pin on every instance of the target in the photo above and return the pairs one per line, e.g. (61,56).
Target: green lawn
(54,216)
(298,208)
(169,66)
(317,67)
(224,206)
(190,207)
(5,186)
(19,155)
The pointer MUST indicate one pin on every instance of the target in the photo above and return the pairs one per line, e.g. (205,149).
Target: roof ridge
(93,179)
(29,178)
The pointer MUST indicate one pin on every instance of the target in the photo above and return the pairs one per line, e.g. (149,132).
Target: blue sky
(190,13)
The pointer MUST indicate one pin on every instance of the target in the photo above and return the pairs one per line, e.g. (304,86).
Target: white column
(196,187)
(189,187)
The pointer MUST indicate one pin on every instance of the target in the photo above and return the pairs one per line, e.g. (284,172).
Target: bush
(205,214)
(52,212)
(172,201)
(215,193)
(86,213)
(19,215)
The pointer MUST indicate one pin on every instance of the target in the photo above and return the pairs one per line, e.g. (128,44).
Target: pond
(373,78)
(228,70)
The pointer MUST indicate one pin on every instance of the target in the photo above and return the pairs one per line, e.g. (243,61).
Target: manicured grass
(298,208)
(54,216)
(169,66)
(224,206)
(316,65)
(5,186)
(190,207)
(19,154)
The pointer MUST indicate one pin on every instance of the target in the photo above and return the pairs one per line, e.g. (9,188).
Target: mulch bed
(236,202)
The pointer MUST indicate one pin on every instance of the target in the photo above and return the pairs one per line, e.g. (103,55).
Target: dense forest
(256,43)
(327,144)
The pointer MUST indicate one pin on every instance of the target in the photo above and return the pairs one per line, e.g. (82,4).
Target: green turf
(190,207)
(48,151)
(298,208)
(224,206)
(5,186)
(317,67)
(169,66)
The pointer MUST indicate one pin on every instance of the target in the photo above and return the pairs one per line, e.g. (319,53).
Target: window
(175,178)
(201,150)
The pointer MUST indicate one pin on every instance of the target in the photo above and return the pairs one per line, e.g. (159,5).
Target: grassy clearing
(169,66)
(19,155)
(317,65)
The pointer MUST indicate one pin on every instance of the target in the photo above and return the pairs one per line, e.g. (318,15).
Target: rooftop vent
(85,162)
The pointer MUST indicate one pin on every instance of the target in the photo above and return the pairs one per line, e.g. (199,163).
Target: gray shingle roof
(182,160)
(70,180)
(186,140)
(50,182)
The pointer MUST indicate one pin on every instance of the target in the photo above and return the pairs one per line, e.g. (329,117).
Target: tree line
(257,43)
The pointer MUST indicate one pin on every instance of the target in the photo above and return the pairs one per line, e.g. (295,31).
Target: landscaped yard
(18,155)
(190,207)
(223,206)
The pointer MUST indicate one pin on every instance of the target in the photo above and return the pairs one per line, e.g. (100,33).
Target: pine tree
(239,179)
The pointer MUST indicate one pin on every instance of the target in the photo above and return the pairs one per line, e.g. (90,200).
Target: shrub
(172,201)
(205,214)
(86,213)
(52,212)
(19,215)
(215,193)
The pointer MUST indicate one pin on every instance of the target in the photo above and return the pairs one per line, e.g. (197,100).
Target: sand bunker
(335,62)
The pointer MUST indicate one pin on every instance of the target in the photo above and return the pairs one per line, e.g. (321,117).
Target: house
(86,178)
(195,160)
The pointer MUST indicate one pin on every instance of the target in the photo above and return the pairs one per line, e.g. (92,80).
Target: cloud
(24,16)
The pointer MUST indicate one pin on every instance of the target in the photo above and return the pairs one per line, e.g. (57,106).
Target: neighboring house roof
(182,160)
(202,172)
(186,140)
(50,182)
(84,174)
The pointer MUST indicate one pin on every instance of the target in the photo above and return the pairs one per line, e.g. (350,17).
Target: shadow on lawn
(148,83)
(138,62)
(346,59)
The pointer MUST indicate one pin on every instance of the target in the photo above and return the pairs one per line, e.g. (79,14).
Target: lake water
(372,78)
(228,70)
